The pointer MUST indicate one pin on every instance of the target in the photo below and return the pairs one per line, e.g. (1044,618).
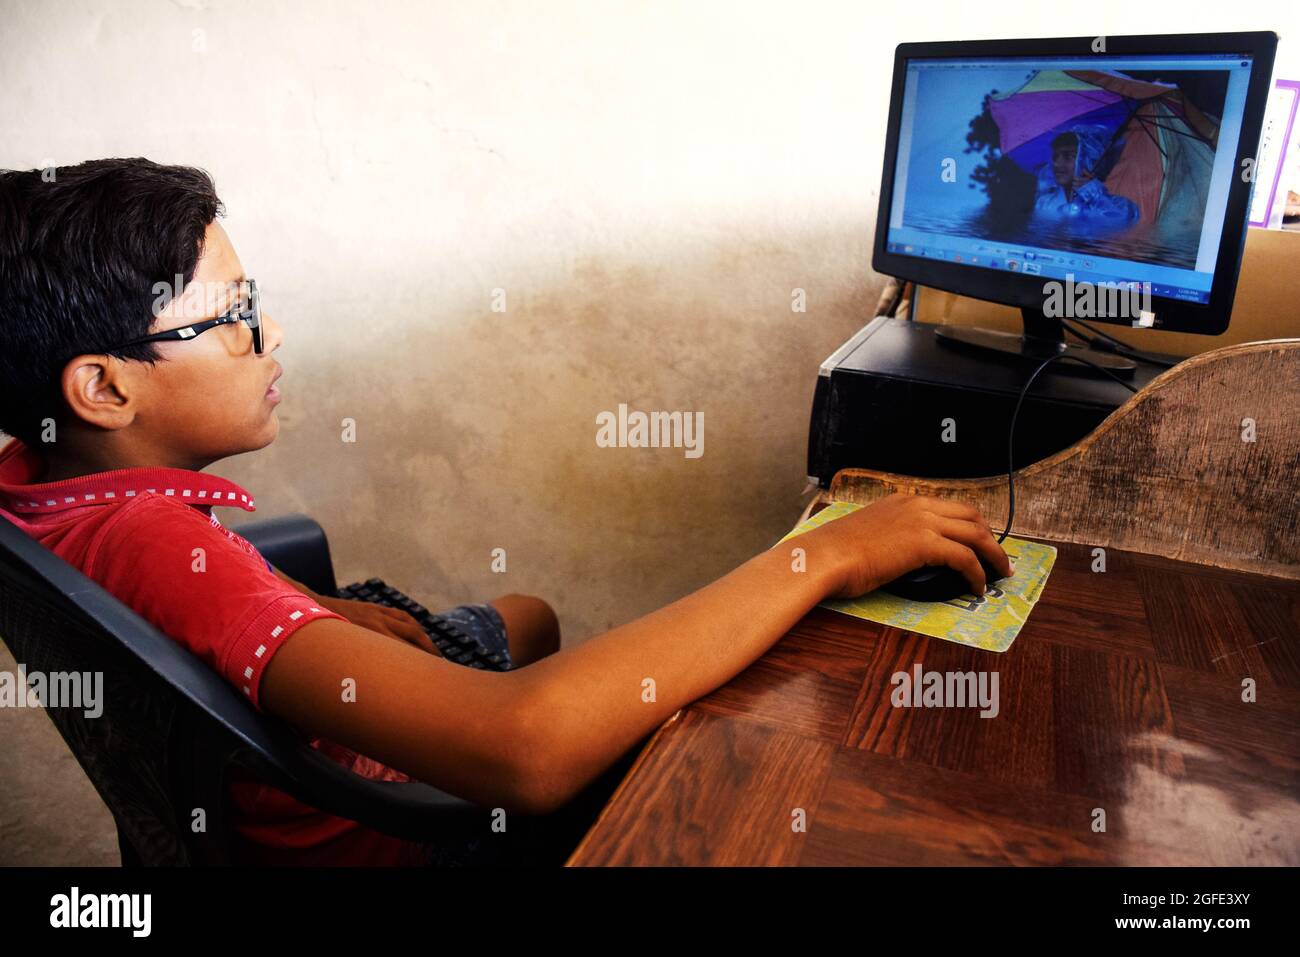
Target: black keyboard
(454,644)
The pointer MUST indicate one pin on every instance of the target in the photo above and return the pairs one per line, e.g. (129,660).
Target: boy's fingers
(404,618)
(958,556)
(980,539)
(417,636)
(958,510)
(405,628)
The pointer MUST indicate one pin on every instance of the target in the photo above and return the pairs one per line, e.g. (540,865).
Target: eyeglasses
(247,309)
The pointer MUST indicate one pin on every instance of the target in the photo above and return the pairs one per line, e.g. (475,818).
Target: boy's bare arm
(531,739)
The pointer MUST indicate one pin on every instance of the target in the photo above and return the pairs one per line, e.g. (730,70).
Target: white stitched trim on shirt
(275,633)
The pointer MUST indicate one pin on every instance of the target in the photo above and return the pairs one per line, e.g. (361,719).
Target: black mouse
(936,583)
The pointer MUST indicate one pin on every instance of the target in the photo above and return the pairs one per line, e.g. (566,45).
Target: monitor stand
(1043,337)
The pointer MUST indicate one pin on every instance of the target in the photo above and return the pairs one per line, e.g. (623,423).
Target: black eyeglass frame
(252,315)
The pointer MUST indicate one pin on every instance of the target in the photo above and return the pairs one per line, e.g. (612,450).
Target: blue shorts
(482,623)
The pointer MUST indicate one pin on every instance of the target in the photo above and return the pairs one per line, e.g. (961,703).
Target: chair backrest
(170,726)
(125,750)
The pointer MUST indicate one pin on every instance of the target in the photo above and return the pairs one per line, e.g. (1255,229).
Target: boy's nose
(272,333)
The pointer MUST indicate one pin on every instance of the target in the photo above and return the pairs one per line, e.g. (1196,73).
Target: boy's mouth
(272,393)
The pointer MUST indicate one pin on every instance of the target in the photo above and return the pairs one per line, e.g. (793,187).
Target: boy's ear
(99,391)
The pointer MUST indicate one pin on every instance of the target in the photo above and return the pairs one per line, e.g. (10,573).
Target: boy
(1068,189)
(112,434)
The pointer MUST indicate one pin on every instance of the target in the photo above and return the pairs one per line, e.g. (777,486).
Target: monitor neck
(1039,326)
(1043,337)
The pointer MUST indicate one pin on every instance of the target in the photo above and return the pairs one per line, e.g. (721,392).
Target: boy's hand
(876,544)
(390,622)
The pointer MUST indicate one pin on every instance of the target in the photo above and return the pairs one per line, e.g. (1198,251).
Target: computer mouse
(936,583)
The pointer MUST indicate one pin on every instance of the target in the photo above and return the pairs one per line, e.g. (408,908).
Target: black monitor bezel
(1015,289)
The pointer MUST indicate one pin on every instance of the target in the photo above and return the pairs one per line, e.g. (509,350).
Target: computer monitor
(1103,178)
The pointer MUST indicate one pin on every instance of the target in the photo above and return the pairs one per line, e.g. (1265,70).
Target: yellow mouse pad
(991,622)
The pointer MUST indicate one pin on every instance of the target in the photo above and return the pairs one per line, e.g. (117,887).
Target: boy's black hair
(1065,139)
(81,249)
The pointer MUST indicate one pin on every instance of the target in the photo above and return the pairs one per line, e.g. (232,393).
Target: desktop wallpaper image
(1115,164)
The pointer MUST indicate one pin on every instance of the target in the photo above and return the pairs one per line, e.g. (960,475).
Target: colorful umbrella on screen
(1161,144)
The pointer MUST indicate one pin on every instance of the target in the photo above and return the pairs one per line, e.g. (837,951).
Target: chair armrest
(295,544)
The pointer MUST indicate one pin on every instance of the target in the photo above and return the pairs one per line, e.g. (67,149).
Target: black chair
(172,728)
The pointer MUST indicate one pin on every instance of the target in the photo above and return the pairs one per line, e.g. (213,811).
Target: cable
(1118,347)
(1108,343)
(1076,333)
(1011,433)
(1097,332)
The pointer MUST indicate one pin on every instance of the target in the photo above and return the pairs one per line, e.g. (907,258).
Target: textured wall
(646,181)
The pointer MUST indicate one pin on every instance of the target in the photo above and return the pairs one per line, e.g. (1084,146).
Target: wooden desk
(1123,692)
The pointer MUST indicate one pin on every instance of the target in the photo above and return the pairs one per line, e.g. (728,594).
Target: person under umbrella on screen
(1069,190)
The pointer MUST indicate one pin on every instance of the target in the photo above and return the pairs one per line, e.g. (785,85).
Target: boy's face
(214,394)
(208,397)
(1063,155)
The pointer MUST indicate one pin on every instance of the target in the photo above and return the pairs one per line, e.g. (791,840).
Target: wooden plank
(1168,473)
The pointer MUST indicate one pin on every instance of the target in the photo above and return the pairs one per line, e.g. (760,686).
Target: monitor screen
(1086,168)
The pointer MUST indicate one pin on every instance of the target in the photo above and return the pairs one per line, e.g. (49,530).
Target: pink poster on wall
(1278,169)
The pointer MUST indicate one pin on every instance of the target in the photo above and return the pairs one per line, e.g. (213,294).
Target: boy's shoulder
(200,583)
(149,530)
(152,524)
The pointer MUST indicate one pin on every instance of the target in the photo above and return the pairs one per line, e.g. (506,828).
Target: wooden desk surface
(1123,692)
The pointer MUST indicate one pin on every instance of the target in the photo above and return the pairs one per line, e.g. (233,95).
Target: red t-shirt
(149,537)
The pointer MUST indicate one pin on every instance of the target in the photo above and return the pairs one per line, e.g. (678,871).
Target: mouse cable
(1011,433)
(1105,342)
